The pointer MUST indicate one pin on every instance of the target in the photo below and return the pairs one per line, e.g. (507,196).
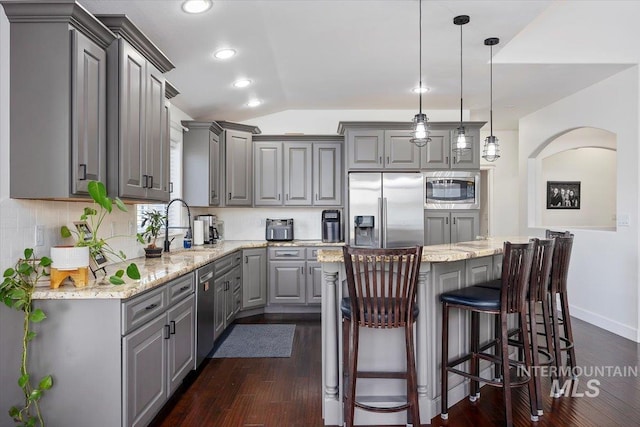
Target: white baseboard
(600,321)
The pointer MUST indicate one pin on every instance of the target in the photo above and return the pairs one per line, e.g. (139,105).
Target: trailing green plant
(16,292)
(152,223)
(94,216)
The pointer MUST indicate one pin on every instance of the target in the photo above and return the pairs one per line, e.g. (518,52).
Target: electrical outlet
(624,220)
(39,235)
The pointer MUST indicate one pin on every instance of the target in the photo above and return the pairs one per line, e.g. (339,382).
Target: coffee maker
(210,232)
(331,226)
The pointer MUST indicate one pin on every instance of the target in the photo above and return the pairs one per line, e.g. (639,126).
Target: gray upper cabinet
(268,173)
(138,147)
(399,152)
(327,174)
(365,149)
(297,170)
(387,145)
(58,75)
(201,160)
(297,174)
(239,163)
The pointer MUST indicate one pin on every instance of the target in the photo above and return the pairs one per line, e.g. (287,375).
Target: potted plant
(99,247)
(152,223)
(16,292)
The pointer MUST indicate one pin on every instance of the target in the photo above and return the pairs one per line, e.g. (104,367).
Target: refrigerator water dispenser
(364,230)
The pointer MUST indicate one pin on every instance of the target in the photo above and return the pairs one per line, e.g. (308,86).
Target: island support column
(332,402)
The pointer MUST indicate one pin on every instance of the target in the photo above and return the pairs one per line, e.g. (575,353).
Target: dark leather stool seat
(474,297)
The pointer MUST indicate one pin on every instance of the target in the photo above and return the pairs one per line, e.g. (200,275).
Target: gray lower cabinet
(58,74)
(295,276)
(441,227)
(254,278)
(201,161)
(115,362)
(227,286)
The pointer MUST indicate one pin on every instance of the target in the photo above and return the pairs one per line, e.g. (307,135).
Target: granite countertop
(157,271)
(447,252)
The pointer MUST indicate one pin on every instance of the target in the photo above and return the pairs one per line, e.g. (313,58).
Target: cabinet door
(156,175)
(327,174)
(464,226)
(89,132)
(254,278)
(469,159)
(239,161)
(219,313)
(435,155)
(132,151)
(436,228)
(268,173)
(479,270)
(399,152)
(287,282)
(144,372)
(229,301)
(297,174)
(214,169)
(365,149)
(182,344)
(314,282)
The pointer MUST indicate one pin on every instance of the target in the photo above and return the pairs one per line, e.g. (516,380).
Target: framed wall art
(563,194)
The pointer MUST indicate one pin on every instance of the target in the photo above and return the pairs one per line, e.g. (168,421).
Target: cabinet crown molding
(170,90)
(122,26)
(255,130)
(299,138)
(212,126)
(343,126)
(67,12)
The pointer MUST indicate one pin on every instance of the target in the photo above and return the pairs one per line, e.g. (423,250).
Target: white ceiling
(349,54)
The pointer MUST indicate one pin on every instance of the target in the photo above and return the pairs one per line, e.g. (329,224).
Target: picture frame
(96,261)
(563,195)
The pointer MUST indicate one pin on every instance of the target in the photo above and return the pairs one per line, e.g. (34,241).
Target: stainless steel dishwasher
(204,312)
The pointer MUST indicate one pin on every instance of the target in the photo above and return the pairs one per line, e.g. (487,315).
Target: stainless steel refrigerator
(386,209)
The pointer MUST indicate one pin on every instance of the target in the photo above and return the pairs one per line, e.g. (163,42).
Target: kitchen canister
(198,232)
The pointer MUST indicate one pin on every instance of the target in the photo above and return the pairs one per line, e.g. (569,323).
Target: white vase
(69,257)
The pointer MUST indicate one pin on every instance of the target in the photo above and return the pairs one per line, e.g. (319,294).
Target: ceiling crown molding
(237,126)
(170,90)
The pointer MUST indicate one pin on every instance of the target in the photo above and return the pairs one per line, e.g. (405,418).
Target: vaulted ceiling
(350,54)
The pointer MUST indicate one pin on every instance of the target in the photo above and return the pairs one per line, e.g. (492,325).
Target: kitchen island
(444,268)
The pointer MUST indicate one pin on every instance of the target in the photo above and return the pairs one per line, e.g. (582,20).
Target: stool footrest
(515,379)
(373,374)
(382,409)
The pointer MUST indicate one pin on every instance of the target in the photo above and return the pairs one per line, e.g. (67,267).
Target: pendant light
(461,144)
(491,149)
(420,132)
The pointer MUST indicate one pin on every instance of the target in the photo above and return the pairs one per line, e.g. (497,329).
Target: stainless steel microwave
(452,190)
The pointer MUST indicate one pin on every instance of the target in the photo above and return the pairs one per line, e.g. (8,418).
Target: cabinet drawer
(223,265)
(237,258)
(180,288)
(141,309)
(312,253)
(286,253)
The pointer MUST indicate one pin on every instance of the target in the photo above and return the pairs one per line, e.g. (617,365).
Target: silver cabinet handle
(168,332)
(387,159)
(246,259)
(454,220)
(229,196)
(171,188)
(278,196)
(145,180)
(446,221)
(151,180)
(446,159)
(380,159)
(384,219)
(151,306)
(83,175)
(172,329)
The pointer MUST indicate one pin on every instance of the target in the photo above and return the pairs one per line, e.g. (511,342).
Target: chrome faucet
(167,243)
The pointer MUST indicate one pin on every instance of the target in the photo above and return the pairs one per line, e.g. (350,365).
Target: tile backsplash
(18,220)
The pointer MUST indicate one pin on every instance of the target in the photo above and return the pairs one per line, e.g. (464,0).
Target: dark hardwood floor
(286,392)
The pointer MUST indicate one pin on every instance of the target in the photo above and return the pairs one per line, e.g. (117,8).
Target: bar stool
(510,299)
(558,286)
(538,294)
(382,289)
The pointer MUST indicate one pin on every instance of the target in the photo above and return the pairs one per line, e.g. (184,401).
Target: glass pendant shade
(420,132)
(461,141)
(491,150)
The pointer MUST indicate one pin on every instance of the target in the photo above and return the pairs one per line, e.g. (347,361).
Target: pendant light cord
(420,53)
(460,75)
(491,87)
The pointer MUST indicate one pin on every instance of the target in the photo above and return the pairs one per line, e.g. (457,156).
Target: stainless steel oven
(452,190)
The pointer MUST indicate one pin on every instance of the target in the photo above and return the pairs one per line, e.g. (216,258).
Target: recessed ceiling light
(254,103)
(242,83)
(196,6)
(224,53)
(422,89)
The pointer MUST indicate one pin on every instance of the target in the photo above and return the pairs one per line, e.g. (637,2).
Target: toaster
(279,229)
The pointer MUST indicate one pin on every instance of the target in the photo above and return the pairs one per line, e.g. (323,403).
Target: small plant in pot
(99,248)
(152,223)
(16,292)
